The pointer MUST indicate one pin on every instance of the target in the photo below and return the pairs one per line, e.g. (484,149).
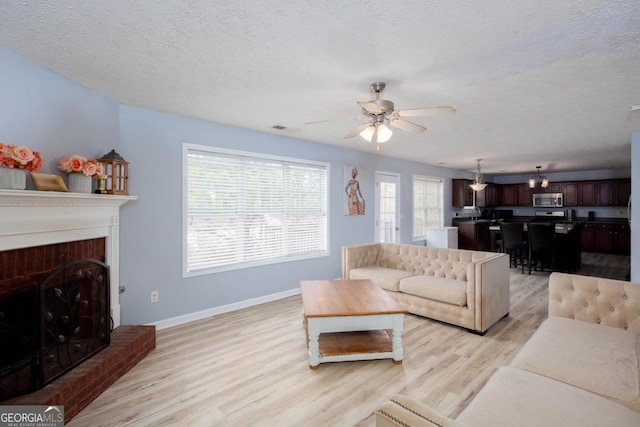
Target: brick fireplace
(54,312)
(39,231)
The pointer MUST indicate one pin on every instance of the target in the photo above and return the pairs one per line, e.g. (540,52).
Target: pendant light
(477,184)
(544,182)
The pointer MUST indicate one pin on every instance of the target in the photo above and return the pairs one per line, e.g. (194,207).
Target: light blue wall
(52,114)
(58,117)
(151,227)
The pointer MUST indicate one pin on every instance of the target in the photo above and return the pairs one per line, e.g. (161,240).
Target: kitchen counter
(530,218)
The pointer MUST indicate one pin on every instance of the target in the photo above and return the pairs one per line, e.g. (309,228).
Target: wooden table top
(329,298)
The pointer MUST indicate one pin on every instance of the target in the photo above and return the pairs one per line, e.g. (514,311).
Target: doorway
(387,207)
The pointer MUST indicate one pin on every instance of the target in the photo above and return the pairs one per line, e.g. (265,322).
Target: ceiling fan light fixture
(368,132)
(383,133)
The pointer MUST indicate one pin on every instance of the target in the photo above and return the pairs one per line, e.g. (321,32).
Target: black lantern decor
(116,170)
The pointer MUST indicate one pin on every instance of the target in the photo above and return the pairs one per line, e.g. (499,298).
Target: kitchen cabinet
(525,195)
(461,193)
(606,192)
(604,238)
(624,192)
(493,195)
(613,192)
(509,194)
(554,187)
(489,197)
(473,235)
(621,236)
(586,193)
(570,191)
(588,239)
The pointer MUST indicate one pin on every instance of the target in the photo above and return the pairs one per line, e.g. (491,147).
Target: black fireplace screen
(46,332)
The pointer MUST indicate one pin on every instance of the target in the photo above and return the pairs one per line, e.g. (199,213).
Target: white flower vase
(13,179)
(79,183)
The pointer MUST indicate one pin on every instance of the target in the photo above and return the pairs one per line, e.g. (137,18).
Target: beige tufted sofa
(580,368)
(465,288)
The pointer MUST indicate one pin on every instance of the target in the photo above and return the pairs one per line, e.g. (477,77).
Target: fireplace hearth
(48,330)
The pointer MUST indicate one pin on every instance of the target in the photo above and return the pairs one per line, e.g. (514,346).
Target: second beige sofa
(464,288)
(580,368)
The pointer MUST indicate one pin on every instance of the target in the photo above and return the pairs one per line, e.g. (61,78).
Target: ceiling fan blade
(428,111)
(356,131)
(370,107)
(334,120)
(407,126)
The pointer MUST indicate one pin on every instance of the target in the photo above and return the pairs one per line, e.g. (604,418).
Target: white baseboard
(179,320)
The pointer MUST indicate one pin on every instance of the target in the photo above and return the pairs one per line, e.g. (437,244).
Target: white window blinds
(243,209)
(427,205)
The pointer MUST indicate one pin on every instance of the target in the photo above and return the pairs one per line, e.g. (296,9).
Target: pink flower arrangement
(20,157)
(79,164)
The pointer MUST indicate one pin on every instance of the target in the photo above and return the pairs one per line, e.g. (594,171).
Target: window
(245,209)
(427,205)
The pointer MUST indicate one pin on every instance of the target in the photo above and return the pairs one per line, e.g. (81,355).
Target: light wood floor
(250,367)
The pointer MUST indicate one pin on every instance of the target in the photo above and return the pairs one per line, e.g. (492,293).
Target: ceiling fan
(381,115)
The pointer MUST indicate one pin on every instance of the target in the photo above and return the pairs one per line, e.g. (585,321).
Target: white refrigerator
(442,237)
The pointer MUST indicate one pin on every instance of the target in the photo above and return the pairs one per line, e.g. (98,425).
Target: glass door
(387,207)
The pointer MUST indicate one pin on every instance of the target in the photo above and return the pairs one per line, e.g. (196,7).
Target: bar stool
(541,245)
(514,242)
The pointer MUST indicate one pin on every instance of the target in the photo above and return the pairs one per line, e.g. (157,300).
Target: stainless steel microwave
(547,200)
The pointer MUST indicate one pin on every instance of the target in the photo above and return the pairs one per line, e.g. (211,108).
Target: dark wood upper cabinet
(525,195)
(509,194)
(461,193)
(570,194)
(624,192)
(492,195)
(613,192)
(553,187)
(586,193)
(488,197)
(606,192)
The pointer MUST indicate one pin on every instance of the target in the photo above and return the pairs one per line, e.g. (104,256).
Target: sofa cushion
(598,358)
(449,291)
(386,278)
(514,397)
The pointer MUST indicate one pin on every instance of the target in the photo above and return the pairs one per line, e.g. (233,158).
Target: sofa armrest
(358,256)
(594,299)
(491,297)
(402,411)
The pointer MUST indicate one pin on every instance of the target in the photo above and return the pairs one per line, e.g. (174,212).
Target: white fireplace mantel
(35,218)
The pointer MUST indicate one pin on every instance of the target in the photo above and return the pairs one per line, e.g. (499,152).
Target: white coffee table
(351,320)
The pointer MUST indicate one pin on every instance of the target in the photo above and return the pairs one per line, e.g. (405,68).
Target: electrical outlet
(154,297)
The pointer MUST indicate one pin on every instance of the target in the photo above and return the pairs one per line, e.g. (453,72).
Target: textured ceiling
(534,82)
